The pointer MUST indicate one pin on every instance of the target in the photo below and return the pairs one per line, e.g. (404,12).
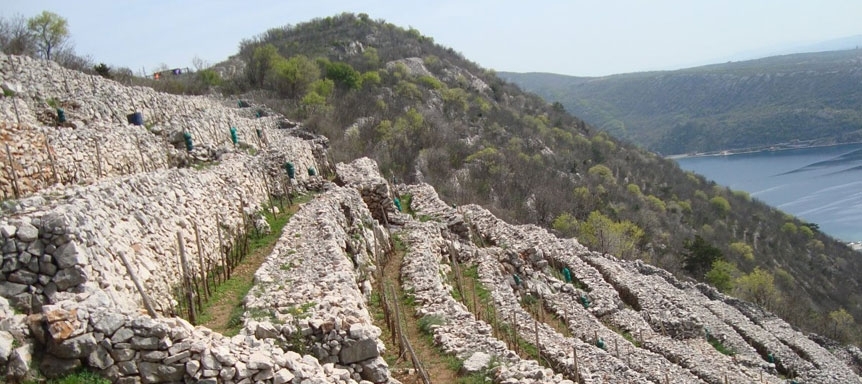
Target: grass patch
(428,322)
(721,348)
(79,377)
(224,311)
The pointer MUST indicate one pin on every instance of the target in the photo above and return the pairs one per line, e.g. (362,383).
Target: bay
(821,185)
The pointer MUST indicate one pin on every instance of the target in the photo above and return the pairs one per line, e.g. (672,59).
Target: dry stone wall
(96,190)
(97,141)
(311,292)
(653,327)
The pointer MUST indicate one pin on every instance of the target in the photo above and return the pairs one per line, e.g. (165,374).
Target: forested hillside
(425,113)
(809,98)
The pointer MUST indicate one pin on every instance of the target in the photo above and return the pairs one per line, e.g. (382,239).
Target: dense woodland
(802,98)
(425,113)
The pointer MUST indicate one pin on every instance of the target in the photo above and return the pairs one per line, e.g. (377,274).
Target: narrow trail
(224,310)
(440,367)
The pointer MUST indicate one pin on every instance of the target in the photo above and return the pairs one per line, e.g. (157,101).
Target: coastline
(772,148)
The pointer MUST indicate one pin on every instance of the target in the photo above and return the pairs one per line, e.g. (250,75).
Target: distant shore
(771,148)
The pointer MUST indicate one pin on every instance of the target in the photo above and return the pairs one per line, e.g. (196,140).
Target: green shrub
(427,322)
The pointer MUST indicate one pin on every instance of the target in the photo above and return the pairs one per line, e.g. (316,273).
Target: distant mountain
(798,99)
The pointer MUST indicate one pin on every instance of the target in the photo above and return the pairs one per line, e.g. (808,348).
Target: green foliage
(262,61)
(371,78)
(430,82)
(743,250)
(428,322)
(722,275)
(758,287)
(841,322)
(806,231)
(742,195)
(721,348)
(699,256)
(603,173)
(789,228)
(720,205)
(566,224)
(209,78)
(50,31)
(103,70)
(344,75)
(634,189)
(408,90)
(656,204)
(292,77)
(80,377)
(617,238)
(455,100)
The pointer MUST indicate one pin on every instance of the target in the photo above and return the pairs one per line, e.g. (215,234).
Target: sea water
(821,185)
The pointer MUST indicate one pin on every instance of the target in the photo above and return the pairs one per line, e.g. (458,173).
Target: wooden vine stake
(184,262)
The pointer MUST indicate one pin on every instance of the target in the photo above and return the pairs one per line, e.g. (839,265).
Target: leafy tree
(619,239)
(262,60)
(841,322)
(50,31)
(603,173)
(699,256)
(789,228)
(722,275)
(292,77)
(758,287)
(806,231)
(344,75)
(742,250)
(720,205)
(566,224)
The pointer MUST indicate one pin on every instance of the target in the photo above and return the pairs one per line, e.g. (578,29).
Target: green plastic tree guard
(187,137)
(291,171)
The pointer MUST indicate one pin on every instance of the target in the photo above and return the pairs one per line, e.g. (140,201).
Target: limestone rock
(360,350)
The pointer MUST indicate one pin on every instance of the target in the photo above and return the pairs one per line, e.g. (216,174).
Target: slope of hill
(94,230)
(800,98)
(425,113)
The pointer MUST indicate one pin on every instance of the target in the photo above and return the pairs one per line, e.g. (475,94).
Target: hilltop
(799,99)
(474,187)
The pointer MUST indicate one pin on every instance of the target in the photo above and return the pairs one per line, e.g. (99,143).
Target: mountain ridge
(807,97)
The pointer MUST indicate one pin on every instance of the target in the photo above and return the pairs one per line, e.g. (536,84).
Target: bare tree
(15,37)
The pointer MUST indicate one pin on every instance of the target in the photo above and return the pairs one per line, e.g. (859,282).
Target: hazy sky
(583,38)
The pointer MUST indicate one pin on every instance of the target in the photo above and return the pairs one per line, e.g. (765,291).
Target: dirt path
(223,313)
(441,368)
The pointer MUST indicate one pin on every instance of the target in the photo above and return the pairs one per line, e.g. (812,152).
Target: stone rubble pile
(312,289)
(362,174)
(459,333)
(97,141)
(666,320)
